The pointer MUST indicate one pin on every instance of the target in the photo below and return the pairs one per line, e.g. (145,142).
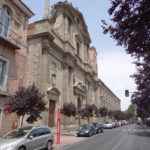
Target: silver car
(28,138)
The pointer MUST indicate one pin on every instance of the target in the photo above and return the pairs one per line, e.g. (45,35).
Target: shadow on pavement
(141,133)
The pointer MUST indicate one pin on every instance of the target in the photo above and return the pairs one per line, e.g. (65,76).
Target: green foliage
(130,28)
(122,115)
(69,109)
(131,110)
(103,111)
(28,101)
(88,111)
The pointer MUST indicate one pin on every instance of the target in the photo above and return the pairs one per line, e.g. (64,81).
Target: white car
(108,126)
(28,138)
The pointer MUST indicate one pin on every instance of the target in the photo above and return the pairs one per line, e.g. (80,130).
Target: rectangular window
(78,49)
(53,80)
(3,72)
(5,21)
(70,75)
(69,25)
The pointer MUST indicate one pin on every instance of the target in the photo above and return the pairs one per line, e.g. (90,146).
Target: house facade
(14,17)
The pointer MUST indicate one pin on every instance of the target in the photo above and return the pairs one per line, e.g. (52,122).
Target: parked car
(86,130)
(108,126)
(28,138)
(98,127)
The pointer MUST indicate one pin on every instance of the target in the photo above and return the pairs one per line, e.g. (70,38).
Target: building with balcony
(14,16)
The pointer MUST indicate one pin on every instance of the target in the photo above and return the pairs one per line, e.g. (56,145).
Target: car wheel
(22,148)
(49,145)
(89,135)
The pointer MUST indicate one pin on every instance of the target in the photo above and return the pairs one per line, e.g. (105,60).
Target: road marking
(118,143)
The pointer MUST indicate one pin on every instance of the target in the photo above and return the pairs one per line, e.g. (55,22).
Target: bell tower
(46,8)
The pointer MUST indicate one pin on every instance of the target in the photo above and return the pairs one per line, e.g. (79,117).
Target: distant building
(14,15)
(107,98)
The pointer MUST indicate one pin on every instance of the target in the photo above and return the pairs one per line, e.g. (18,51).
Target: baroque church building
(61,61)
(56,54)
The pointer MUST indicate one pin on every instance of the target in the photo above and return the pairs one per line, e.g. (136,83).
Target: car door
(93,130)
(47,136)
(43,137)
(34,140)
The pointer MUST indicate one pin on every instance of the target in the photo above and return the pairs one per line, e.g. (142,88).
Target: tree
(84,112)
(119,115)
(88,111)
(131,25)
(28,101)
(131,29)
(111,113)
(103,111)
(131,111)
(142,95)
(69,109)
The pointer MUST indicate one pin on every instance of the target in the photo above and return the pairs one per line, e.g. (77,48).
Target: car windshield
(17,133)
(84,127)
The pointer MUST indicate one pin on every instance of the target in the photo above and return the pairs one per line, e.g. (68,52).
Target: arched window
(53,80)
(5,20)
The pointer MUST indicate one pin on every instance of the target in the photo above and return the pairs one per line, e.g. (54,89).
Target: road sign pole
(58,127)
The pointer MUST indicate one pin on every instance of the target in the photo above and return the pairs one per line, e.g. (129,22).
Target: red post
(58,127)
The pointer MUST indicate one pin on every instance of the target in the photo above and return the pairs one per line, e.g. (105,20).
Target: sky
(114,66)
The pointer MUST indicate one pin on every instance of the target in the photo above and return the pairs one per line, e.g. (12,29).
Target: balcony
(10,38)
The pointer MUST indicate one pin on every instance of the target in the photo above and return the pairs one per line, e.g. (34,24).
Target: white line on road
(118,143)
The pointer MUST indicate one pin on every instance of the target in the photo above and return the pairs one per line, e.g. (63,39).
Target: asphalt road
(125,138)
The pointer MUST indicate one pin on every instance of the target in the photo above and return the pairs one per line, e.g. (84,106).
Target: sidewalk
(68,137)
(68,140)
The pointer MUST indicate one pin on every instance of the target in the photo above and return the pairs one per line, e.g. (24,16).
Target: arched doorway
(53,97)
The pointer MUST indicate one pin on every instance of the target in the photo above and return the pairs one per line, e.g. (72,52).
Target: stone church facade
(61,61)
(55,54)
